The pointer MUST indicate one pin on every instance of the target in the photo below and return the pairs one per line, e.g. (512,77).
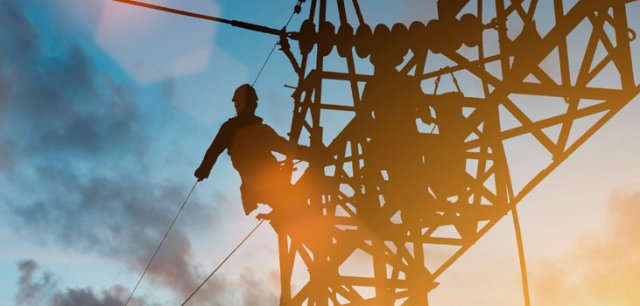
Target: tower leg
(286,268)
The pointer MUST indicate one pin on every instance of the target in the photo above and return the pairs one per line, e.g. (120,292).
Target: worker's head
(245,99)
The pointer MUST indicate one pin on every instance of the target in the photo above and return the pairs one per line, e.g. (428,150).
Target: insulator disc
(436,36)
(307,36)
(386,51)
(472,27)
(456,33)
(400,38)
(444,35)
(418,40)
(363,40)
(381,37)
(345,40)
(326,38)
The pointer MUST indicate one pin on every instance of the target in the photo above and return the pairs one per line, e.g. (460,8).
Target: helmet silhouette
(245,92)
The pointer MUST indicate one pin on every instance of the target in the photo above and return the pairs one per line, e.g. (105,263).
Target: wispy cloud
(602,269)
(37,288)
(72,147)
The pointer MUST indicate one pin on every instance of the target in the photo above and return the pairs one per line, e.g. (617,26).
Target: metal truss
(451,183)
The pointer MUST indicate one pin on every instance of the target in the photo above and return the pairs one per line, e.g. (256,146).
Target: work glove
(201,173)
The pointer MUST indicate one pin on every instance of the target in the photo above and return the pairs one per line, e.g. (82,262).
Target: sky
(106,110)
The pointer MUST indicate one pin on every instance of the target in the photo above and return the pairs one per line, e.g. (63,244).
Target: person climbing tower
(392,103)
(250,143)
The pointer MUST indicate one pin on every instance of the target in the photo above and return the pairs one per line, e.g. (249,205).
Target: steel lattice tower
(392,189)
(368,210)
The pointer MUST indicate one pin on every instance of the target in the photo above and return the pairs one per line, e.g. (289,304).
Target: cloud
(86,297)
(34,291)
(253,292)
(123,220)
(41,288)
(30,292)
(58,102)
(602,269)
(78,157)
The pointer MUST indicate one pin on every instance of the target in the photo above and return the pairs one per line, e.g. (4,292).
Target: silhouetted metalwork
(396,190)
(390,190)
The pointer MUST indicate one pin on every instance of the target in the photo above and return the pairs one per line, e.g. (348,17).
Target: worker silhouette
(250,144)
(393,101)
(447,156)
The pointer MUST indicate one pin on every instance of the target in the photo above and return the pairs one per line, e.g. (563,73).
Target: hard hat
(245,92)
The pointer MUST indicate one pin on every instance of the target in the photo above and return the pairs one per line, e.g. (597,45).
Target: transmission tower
(452,184)
(412,170)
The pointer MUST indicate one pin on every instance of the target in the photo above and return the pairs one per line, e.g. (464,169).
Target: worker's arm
(281,145)
(219,144)
(421,102)
(292,150)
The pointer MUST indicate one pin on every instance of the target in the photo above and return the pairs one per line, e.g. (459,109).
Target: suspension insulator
(418,39)
(381,37)
(472,27)
(345,40)
(445,34)
(400,39)
(307,37)
(363,40)
(457,34)
(436,36)
(326,38)
(384,48)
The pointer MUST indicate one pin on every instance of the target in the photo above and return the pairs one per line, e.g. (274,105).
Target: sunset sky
(107,109)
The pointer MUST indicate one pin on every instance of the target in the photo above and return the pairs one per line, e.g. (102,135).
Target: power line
(161,242)
(264,64)
(222,263)
(235,23)
(296,10)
